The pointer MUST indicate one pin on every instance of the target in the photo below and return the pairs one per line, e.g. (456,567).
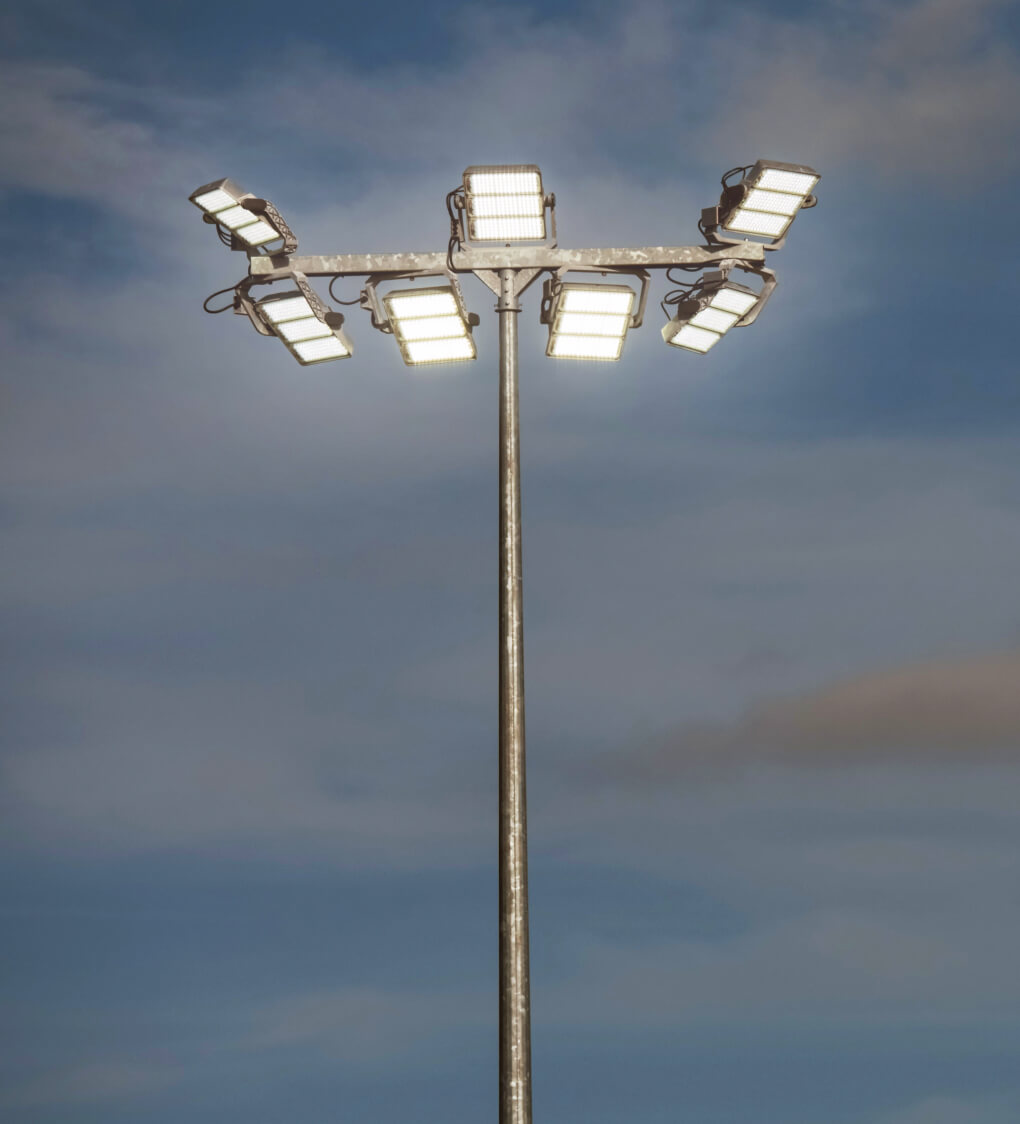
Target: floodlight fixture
(587,321)
(504,203)
(763,203)
(246,221)
(311,331)
(431,324)
(706,312)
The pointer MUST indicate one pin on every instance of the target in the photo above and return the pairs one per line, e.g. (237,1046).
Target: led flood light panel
(701,322)
(223,200)
(590,321)
(430,325)
(309,330)
(772,195)
(504,203)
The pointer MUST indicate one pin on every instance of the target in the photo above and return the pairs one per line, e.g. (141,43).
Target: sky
(248,609)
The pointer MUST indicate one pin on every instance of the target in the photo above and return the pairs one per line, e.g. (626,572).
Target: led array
(222,199)
(430,325)
(504,203)
(590,321)
(773,194)
(702,322)
(301,321)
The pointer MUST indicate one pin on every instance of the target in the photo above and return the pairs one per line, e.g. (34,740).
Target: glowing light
(590,321)
(505,203)
(430,325)
(305,326)
(317,351)
(585,347)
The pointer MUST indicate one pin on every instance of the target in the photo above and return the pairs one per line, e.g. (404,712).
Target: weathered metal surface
(505,257)
(514,981)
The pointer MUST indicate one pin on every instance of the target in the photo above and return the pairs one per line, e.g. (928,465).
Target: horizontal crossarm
(503,257)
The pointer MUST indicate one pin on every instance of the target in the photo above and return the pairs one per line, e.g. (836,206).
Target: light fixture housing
(587,321)
(430,324)
(311,331)
(250,222)
(702,320)
(763,203)
(504,203)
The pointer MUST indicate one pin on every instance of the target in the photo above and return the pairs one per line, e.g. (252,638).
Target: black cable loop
(686,268)
(334,297)
(743,169)
(226,307)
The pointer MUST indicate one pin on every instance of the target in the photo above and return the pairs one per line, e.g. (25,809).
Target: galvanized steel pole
(514,983)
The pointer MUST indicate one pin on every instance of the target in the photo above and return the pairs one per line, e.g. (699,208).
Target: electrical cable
(229,289)
(334,297)
(454,228)
(743,169)
(686,268)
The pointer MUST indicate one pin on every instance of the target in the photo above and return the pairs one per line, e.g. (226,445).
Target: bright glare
(797,183)
(408,305)
(431,328)
(327,348)
(715,319)
(258,233)
(508,228)
(440,351)
(591,324)
(776,201)
(215,200)
(504,183)
(290,308)
(756,222)
(308,329)
(585,347)
(487,206)
(695,339)
(234,217)
(596,300)
(505,205)
(732,300)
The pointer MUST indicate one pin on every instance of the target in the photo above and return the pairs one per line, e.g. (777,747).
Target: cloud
(966,708)
(928,88)
(100,1082)
(841,967)
(952,1110)
(960,711)
(368,1026)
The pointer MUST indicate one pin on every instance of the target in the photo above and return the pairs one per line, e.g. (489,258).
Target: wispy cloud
(951,1110)
(94,1083)
(929,88)
(962,711)
(368,1026)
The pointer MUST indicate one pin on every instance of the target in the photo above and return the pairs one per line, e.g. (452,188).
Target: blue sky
(248,609)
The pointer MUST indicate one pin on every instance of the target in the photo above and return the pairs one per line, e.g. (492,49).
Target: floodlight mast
(507,270)
(514,960)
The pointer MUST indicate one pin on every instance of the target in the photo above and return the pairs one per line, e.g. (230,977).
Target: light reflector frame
(504,203)
(768,199)
(222,201)
(702,321)
(430,325)
(589,321)
(309,330)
